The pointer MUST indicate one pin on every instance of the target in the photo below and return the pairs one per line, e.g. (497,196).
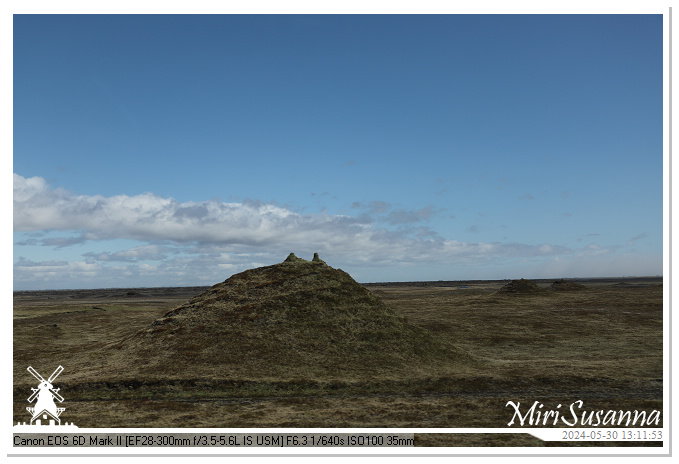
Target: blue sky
(178,150)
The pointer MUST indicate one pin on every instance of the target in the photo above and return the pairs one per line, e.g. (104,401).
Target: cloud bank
(151,218)
(188,243)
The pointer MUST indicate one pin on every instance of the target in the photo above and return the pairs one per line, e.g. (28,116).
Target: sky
(177,150)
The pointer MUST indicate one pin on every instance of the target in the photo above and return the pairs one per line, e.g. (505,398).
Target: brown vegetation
(440,355)
(566,286)
(520,287)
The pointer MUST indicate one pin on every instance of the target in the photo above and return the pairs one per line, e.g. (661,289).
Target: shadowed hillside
(566,286)
(296,319)
(520,287)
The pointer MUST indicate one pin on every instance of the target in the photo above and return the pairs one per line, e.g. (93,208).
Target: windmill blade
(34,395)
(35,374)
(55,374)
(57,395)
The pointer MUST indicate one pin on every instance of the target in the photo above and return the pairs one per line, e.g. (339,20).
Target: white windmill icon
(45,407)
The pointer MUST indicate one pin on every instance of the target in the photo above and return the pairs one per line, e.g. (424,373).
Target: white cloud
(149,217)
(200,243)
(136,254)
(55,274)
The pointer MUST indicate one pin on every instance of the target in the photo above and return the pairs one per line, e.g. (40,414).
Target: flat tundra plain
(600,343)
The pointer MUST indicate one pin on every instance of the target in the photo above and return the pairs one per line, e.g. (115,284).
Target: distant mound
(297,318)
(566,286)
(520,287)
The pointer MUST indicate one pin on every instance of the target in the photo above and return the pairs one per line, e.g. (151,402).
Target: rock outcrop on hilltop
(297,318)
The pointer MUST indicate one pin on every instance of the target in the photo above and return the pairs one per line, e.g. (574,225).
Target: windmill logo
(45,408)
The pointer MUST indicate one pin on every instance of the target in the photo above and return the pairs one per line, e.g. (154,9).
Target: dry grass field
(600,343)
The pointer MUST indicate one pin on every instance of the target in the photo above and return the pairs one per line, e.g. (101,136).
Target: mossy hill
(520,287)
(295,319)
(566,286)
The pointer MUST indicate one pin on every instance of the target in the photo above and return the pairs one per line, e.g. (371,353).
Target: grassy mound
(296,319)
(566,286)
(520,287)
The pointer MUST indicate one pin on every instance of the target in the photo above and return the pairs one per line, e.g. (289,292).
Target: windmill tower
(45,406)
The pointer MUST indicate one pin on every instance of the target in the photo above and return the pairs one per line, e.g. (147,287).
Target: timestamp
(613,435)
